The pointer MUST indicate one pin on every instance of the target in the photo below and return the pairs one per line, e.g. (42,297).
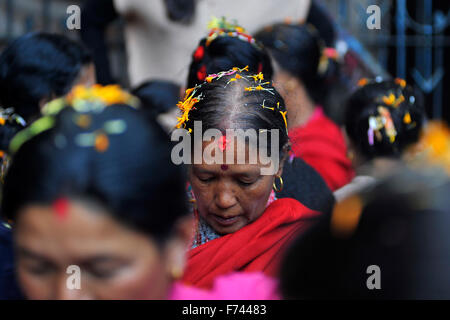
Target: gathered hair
(38,66)
(233,48)
(299,50)
(383,118)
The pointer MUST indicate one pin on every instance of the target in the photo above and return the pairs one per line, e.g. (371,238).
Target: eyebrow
(204,171)
(102,259)
(97,259)
(27,253)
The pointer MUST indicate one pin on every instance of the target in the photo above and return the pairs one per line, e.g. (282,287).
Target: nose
(225,197)
(68,289)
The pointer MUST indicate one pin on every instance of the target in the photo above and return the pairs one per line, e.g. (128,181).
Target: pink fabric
(234,286)
(317,114)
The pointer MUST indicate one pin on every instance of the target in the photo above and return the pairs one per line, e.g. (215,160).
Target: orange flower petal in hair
(186,105)
(362,82)
(400,82)
(101,142)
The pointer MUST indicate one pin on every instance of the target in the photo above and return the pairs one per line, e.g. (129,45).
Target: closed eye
(206,179)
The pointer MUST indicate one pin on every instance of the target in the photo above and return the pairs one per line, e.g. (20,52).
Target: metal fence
(412,42)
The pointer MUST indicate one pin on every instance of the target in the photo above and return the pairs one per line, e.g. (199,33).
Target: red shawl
(255,247)
(321,144)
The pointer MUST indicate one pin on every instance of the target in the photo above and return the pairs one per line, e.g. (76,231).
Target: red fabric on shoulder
(320,143)
(255,247)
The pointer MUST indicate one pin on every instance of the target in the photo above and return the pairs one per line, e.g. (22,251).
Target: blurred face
(232,196)
(115,262)
(87,76)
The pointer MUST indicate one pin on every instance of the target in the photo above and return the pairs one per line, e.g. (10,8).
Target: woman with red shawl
(240,225)
(301,66)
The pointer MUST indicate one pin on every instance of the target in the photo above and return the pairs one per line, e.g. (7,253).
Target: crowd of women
(88,179)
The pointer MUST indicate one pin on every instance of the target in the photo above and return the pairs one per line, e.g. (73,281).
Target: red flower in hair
(198,54)
(201,73)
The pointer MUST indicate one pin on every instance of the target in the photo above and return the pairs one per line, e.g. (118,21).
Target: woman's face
(115,262)
(86,76)
(232,196)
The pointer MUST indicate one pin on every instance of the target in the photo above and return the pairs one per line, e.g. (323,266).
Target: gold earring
(350,155)
(176,272)
(275,185)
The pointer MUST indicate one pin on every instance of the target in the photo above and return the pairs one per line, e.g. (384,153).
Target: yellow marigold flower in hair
(346,215)
(389,100)
(407,118)
(400,82)
(399,101)
(2,121)
(283,114)
(258,76)
(112,94)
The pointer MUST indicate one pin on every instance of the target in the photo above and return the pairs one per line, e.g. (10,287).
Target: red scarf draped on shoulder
(255,247)
(320,143)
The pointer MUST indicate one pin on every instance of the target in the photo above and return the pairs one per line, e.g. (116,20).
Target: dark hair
(298,50)
(227,105)
(181,11)
(322,21)
(157,96)
(144,192)
(224,53)
(365,104)
(37,66)
(402,229)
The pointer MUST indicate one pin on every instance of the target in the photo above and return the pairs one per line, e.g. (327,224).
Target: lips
(224,221)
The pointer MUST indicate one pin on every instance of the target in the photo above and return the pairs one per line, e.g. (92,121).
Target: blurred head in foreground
(78,195)
(390,241)
(38,67)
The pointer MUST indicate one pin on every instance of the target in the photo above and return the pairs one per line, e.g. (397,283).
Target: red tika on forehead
(61,207)
(223,143)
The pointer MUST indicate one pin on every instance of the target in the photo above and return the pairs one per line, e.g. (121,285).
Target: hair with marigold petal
(299,50)
(227,45)
(383,117)
(236,99)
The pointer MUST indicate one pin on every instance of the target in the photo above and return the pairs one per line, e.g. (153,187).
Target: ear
(178,245)
(285,149)
(182,91)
